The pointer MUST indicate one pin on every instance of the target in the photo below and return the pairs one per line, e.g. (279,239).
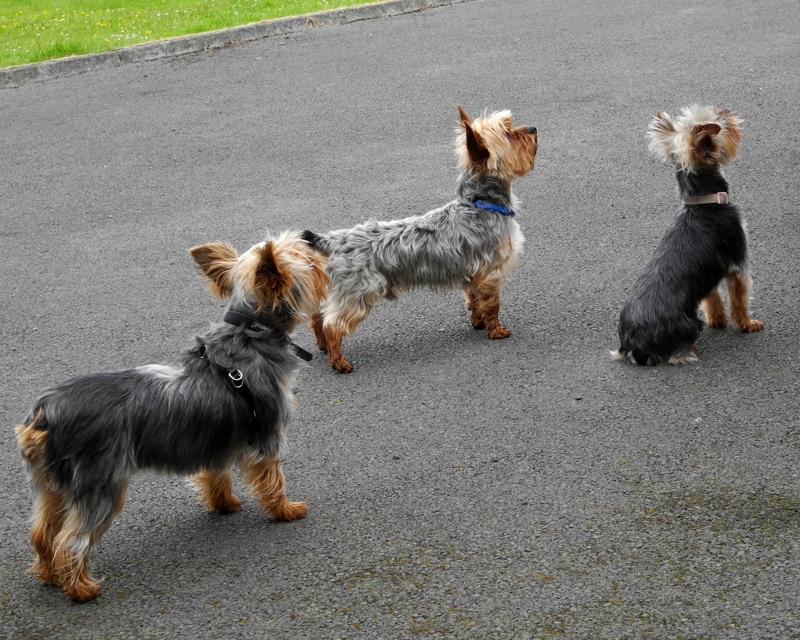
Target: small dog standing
(704,245)
(472,243)
(228,400)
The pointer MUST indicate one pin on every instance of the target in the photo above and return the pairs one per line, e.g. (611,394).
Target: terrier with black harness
(226,401)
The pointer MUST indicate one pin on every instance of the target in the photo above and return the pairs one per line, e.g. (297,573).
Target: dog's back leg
(85,521)
(48,519)
(714,308)
(216,491)
(739,300)
(265,478)
(48,503)
(319,334)
(473,308)
(340,320)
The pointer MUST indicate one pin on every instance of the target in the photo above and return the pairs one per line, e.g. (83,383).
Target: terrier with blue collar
(472,243)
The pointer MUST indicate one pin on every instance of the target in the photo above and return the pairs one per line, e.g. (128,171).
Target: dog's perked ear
(704,148)
(272,281)
(731,134)
(476,148)
(215,260)
(663,136)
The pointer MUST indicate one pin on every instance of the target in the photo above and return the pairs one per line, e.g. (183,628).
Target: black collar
(249,322)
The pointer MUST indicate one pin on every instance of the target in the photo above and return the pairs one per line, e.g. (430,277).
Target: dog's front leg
(216,491)
(739,300)
(486,307)
(265,478)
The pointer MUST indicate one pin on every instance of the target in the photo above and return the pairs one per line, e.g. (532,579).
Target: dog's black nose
(532,130)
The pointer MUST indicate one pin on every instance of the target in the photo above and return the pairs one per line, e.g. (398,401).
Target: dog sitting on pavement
(471,243)
(705,244)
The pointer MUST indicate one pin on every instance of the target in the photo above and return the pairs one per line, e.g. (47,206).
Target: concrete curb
(17,76)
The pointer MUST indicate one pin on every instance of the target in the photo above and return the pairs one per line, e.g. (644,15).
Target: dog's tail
(32,438)
(316,241)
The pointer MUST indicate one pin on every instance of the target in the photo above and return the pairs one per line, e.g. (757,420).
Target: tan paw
(288,511)
(499,332)
(341,365)
(752,326)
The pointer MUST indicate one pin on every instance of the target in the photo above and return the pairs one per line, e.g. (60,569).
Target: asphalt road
(458,487)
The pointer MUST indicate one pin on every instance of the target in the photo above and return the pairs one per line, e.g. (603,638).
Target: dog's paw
(225,506)
(44,573)
(499,332)
(82,591)
(288,511)
(716,324)
(752,326)
(342,365)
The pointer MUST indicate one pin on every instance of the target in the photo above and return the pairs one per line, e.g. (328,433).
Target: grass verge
(39,30)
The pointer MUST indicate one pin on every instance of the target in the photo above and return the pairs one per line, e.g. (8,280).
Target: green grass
(38,30)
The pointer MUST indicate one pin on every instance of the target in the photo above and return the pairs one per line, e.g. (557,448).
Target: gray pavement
(458,487)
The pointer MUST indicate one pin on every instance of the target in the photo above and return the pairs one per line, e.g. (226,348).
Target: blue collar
(489,206)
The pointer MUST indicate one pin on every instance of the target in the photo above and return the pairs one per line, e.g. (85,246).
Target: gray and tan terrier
(472,243)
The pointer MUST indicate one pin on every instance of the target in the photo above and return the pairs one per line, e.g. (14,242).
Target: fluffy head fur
(490,145)
(228,400)
(459,245)
(700,136)
(280,276)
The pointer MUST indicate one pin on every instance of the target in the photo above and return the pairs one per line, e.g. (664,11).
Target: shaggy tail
(316,241)
(32,437)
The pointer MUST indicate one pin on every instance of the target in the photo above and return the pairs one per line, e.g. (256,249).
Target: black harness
(235,375)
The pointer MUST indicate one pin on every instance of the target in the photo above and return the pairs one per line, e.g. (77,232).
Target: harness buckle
(236,379)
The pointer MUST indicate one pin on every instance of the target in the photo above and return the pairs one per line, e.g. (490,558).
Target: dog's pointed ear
(731,134)
(704,133)
(215,260)
(662,136)
(272,281)
(476,147)
(704,146)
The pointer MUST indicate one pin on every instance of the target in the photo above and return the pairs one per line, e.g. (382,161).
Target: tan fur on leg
(73,544)
(265,479)
(48,518)
(333,338)
(739,300)
(71,560)
(475,317)
(319,334)
(216,491)
(340,321)
(714,308)
(487,303)
(49,506)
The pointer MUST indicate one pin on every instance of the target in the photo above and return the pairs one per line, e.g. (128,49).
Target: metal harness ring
(236,379)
